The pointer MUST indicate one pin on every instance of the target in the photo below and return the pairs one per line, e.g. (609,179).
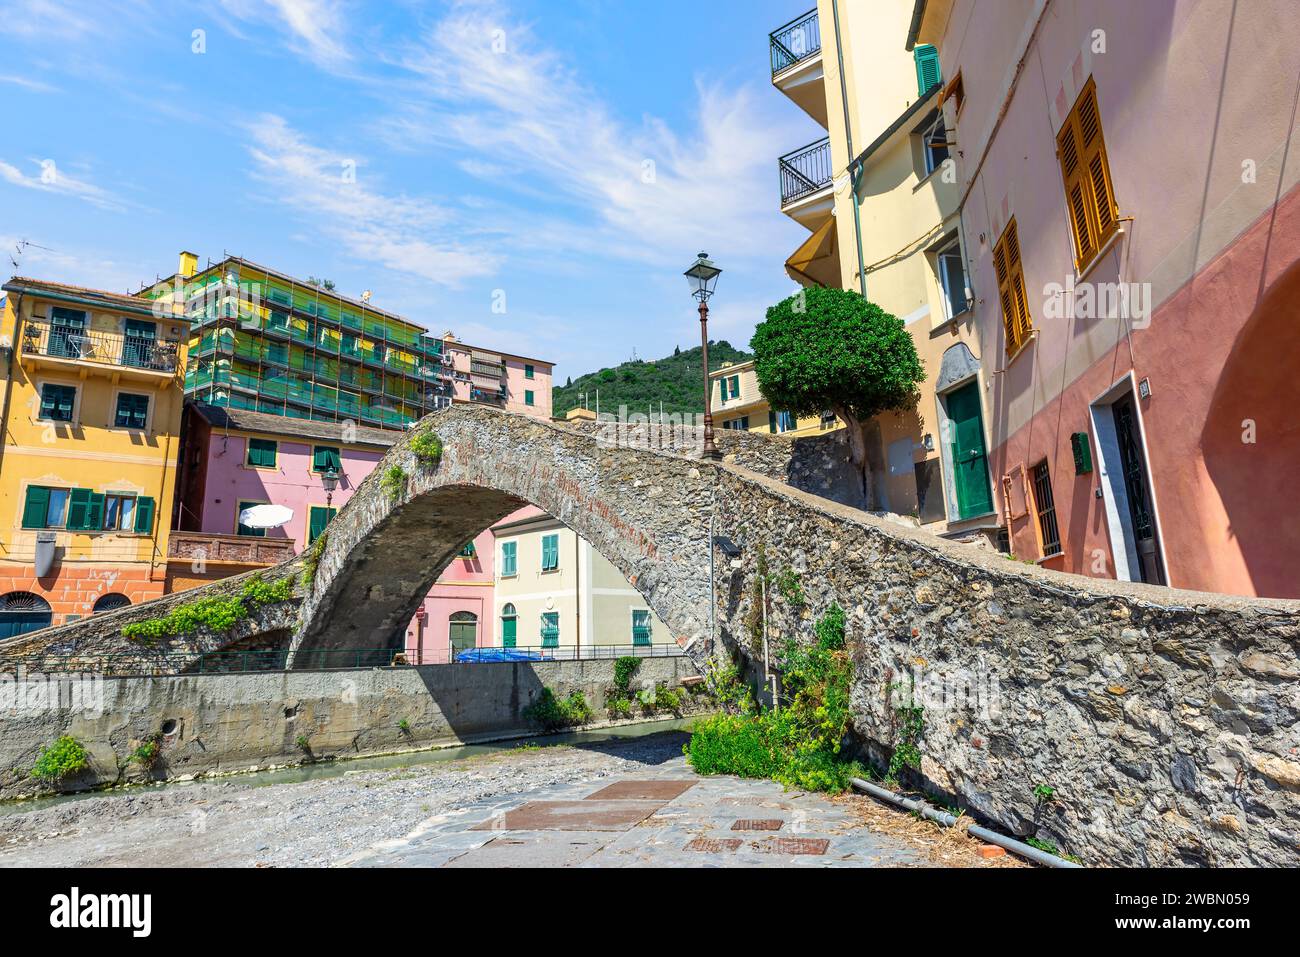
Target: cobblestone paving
(664,817)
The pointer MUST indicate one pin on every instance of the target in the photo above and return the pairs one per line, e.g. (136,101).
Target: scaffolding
(303,351)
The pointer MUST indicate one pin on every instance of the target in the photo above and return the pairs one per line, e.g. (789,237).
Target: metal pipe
(947,820)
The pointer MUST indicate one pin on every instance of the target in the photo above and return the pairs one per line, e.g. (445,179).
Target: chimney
(189,264)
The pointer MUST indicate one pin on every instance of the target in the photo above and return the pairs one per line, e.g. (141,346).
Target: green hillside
(675,381)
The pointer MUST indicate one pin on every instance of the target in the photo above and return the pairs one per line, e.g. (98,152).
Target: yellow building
(553,590)
(91,412)
(738,403)
(881,201)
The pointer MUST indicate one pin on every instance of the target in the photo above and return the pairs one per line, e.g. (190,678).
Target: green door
(509,623)
(969,457)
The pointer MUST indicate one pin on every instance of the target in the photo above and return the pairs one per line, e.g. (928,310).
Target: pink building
(1131,224)
(233,459)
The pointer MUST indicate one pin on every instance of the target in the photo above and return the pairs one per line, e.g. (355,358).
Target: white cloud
(653,194)
(50,178)
(80,267)
(27,83)
(30,18)
(333,190)
(316,27)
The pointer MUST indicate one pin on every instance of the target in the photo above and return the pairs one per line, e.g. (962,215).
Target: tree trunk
(858,455)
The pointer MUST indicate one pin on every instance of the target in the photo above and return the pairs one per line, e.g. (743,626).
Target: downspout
(9,377)
(848,136)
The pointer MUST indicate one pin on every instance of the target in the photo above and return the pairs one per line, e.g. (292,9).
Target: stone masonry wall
(222,723)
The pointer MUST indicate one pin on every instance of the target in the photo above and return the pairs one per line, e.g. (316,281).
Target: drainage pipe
(947,820)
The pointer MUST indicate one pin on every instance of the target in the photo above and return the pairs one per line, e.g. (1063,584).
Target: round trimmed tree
(832,349)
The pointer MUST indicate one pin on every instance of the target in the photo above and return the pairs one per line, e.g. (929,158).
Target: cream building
(553,590)
(738,403)
(880,199)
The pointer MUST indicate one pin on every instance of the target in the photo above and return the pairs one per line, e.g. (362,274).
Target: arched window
(462,630)
(111,602)
(21,612)
(509,626)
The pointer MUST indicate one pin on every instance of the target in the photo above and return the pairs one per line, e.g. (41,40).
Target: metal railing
(795,42)
(88,345)
(341,659)
(805,171)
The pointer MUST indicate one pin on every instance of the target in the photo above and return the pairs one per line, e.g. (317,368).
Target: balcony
(796,52)
(806,177)
(55,345)
(233,549)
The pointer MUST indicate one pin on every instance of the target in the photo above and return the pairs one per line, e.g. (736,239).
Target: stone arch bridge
(1166,722)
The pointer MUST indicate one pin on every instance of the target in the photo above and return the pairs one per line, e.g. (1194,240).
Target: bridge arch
(410,518)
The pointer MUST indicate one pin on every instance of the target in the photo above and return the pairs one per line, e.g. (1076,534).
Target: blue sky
(565,159)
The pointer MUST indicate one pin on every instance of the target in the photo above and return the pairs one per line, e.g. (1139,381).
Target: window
(137,343)
(550,552)
(261,453)
(828,419)
(640,626)
(110,602)
(737,425)
(469,551)
(927,68)
(509,626)
(509,559)
(85,510)
(242,529)
(67,332)
(780,422)
(934,144)
(952,276)
(318,518)
(132,411)
(462,631)
(44,507)
(119,512)
(326,459)
(730,386)
(1046,505)
(528,397)
(550,629)
(57,402)
(1011,289)
(529,372)
(1089,193)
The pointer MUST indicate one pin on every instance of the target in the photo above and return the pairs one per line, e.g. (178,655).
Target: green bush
(553,713)
(65,756)
(312,559)
(427,447)
(798,745)
(147,754)
(394,481)
(217,612)
(620,707)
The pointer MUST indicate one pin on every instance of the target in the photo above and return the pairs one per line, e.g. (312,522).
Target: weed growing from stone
(311,560)
(799,745)
(553,713)
(394,481)
(427,447)
(64,757)
(216,612)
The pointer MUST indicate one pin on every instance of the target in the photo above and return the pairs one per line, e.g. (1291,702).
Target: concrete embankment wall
(222,723)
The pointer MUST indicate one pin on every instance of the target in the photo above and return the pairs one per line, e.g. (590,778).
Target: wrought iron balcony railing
(795,42)
(58,341)
(805,170)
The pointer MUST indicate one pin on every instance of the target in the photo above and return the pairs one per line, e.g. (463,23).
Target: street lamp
(329,481)
(703,279)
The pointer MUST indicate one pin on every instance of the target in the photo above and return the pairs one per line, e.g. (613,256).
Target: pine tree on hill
(676,381)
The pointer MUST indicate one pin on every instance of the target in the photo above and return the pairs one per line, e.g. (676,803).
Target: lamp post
(329,481)
(703,279)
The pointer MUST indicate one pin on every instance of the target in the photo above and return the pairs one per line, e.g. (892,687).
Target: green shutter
(509,564)
(927,68)
(320,517)
(261,453)
(37,507)
(528,397)
(550,552)
(95,512)
(325,458)
(79,508)
(144,507)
